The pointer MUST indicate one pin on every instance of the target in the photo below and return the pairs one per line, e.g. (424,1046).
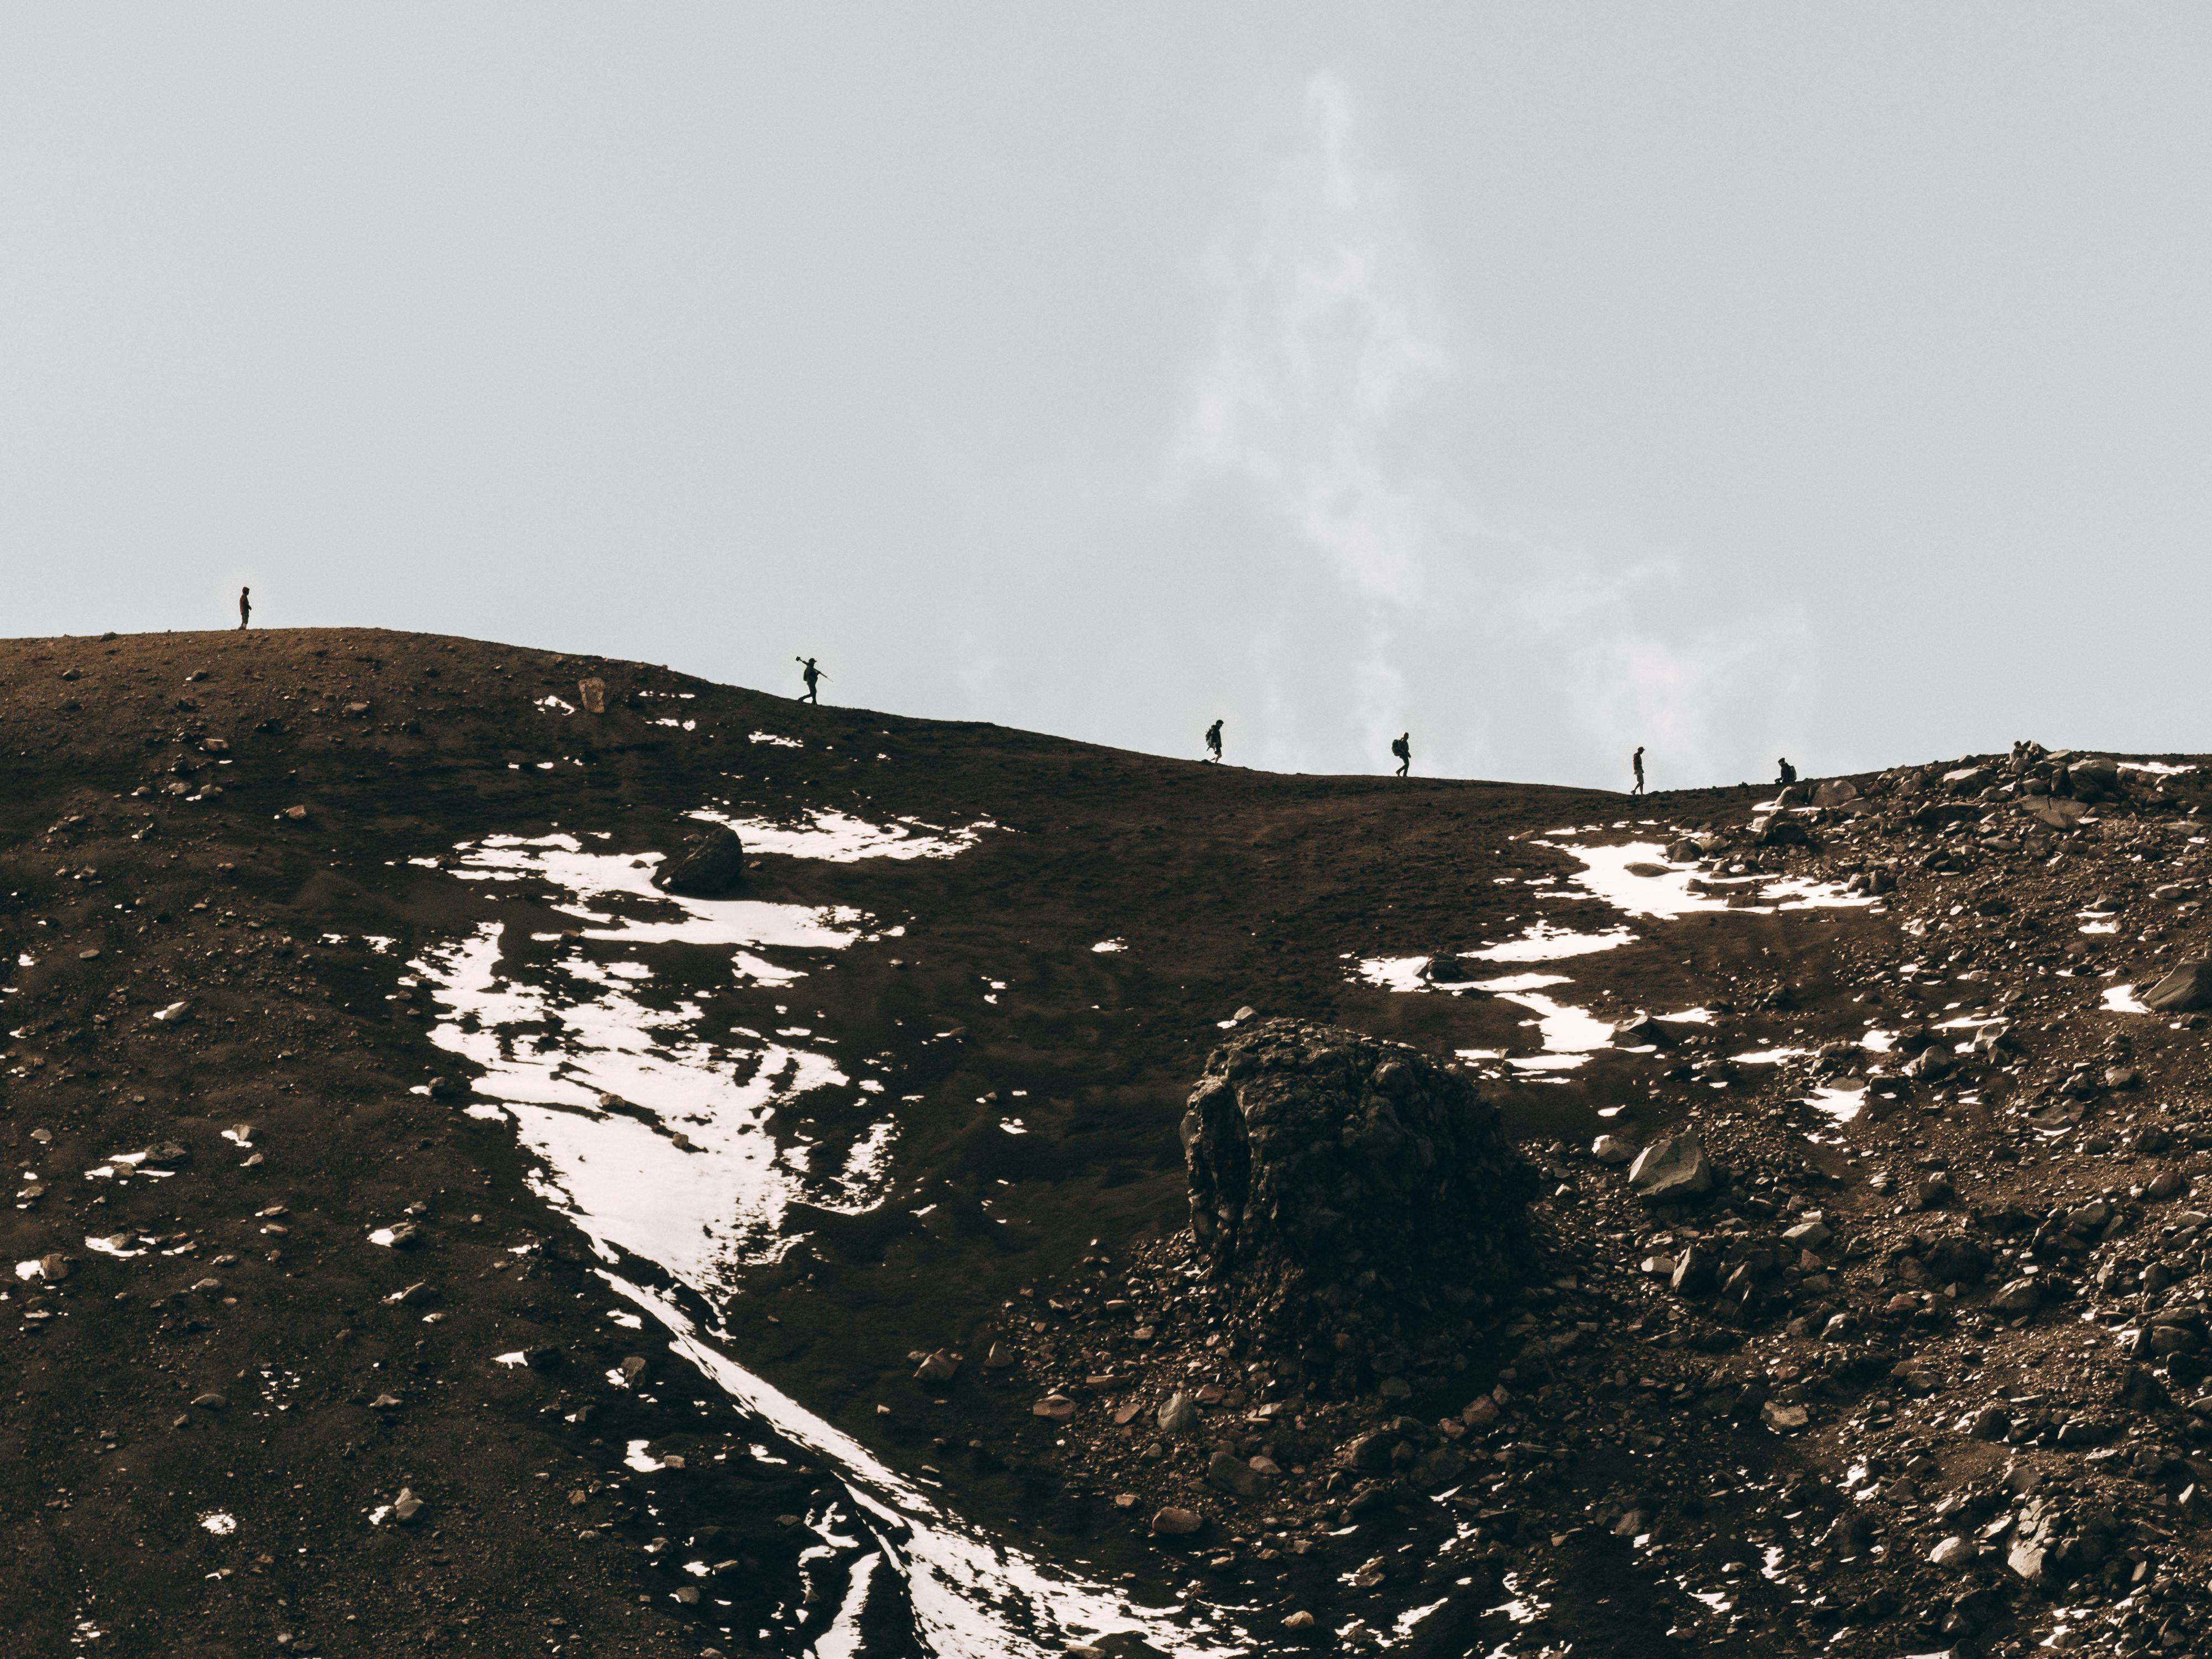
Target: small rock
(1953,1552)
(1299,1620)
(1172,1522)
(1783,1419)
(2187,989)
(711,865)
(2020,1297)
(385,1402)
(1693,1271)
(996,1357)
(53,1268)
(940,1366)
(407,1508)
(209,1402)
(1672,1167)
(1234,1475)
(1178,1414)
(1612,1149)
(1057,1406)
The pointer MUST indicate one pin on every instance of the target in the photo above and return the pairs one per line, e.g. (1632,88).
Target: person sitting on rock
(1213,741)
(1402,747)
(810,674)
(1789,773)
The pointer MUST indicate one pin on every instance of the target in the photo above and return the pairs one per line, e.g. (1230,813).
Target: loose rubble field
(1864,1298)
(1872,1318)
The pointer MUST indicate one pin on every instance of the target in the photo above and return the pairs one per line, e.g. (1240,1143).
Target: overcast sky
(1737,380)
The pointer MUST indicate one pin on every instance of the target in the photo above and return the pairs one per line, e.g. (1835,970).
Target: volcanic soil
(307,1352)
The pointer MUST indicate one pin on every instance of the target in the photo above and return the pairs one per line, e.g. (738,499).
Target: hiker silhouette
(811,675)
(1213,741)
(1402,747)
(1636,760)
(244,606)
(1787,776)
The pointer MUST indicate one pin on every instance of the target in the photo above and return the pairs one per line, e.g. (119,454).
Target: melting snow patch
(1635,880)
(1107,947)
(2123,999)
(841,839)
(1541,942)
(514,1359)
(637,1458)
(780,743)
(220,1524)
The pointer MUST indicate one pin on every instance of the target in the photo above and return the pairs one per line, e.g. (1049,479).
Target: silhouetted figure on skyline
(244,606)
(812,675)
(1788,775)
(1402,747)
(1636,760)
(1213,741)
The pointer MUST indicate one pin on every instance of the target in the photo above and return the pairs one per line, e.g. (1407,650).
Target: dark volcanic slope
(217,1381)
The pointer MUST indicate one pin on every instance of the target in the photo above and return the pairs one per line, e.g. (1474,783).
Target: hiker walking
(1402,747)
(244,606)
(811,675)
(1636,760)
(1213,741)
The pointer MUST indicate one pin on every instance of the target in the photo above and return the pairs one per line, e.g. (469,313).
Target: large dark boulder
(1363,1200)
(712,865)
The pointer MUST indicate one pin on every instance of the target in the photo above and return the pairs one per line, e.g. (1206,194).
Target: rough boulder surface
(711,865)
(1362,1195)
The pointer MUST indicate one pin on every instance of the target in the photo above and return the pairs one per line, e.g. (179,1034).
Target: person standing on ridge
(244,606)
(1213,741)
(1636,760)
(1402,747)
(812,674)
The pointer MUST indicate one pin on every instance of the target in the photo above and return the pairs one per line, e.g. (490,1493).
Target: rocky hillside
(440,1222)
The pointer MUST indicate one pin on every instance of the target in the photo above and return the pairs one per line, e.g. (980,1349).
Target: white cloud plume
(1322,408)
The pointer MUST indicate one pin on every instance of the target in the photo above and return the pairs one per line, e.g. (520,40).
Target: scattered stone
(938,1366)
(1178,1414)
(1232,1475)
(1612,1149)
(407,1508)
(711,865)
(1671,1168)
(1173,1523)
(2187,989)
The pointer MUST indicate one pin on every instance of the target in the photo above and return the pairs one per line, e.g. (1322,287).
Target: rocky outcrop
(1364,1199)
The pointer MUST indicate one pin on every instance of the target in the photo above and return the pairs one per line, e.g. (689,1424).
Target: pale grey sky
(1734,379)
